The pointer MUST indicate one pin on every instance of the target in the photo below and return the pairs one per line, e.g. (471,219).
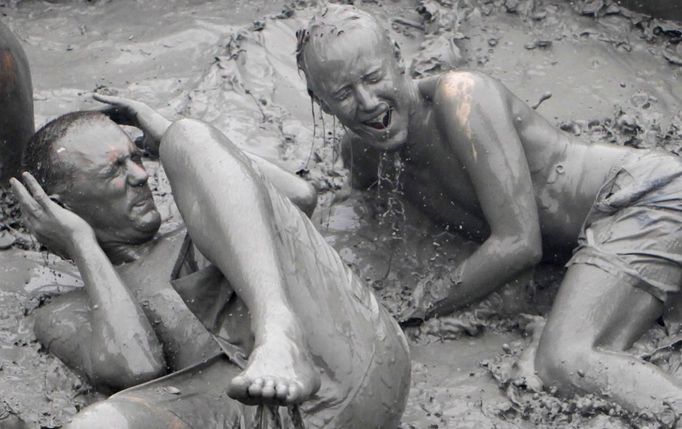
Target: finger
(28,204)
(119,114)
(109,99)
(38,192)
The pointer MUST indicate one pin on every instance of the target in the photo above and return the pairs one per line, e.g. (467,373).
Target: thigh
(595,308)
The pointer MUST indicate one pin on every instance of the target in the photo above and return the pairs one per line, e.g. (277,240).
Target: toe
(239,387)
(256,387)
(294,395)
(282,391)
(268,391)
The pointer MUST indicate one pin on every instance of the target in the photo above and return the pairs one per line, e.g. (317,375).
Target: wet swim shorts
(634,229)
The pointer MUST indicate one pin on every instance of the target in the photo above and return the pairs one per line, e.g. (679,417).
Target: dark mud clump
(13,233)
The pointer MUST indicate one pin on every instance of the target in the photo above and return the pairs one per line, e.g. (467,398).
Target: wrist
(82,235)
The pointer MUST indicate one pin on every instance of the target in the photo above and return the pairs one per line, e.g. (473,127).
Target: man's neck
(120,253)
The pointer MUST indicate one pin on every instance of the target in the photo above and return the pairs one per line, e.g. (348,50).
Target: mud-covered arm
(123,349)
(473,113)
(130,112)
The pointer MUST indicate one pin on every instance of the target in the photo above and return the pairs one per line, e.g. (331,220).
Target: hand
(55,226)
(124,111)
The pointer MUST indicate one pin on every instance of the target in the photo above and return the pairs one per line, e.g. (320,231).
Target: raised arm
(122,349)
(472,112)
(130,112)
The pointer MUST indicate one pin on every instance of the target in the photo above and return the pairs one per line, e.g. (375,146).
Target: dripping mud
(591,68)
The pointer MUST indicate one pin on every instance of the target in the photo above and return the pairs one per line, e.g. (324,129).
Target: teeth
(387,118)
(382,122)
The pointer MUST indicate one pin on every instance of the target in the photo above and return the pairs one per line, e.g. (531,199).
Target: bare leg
(595,317)
(230,219)
(191,398)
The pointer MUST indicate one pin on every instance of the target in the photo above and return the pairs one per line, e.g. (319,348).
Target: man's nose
(366,99)
(137,175)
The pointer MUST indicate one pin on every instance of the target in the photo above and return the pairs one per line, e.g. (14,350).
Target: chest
(436,180)
(184,338)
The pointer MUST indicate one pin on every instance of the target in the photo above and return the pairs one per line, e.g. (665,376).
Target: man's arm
(473,115)
(130,112)
(123,349)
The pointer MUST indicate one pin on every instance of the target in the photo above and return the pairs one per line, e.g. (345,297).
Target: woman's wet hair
(39,156)
(334,20)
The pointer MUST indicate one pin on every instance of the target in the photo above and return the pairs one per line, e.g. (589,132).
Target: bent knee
(306,199)
(128,414)
(559,361)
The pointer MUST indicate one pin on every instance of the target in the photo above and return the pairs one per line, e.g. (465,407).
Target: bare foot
(279,372)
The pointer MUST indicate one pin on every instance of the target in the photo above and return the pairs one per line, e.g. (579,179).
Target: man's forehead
(93,139)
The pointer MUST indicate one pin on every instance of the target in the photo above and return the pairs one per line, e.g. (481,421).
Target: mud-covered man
(280,319)
(476,156)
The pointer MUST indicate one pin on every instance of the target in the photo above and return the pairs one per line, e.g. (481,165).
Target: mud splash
(603,73)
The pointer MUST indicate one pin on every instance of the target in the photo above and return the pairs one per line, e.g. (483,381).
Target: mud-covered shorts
(634,229)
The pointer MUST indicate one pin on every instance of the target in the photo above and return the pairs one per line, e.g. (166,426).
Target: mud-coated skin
(16,110)
(474,155)
(321,341)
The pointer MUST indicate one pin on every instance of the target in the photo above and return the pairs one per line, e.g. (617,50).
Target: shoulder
(458,86)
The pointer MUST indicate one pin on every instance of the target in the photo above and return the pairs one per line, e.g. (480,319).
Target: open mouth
(380,122)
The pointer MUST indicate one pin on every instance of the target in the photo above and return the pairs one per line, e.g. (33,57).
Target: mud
(601,71)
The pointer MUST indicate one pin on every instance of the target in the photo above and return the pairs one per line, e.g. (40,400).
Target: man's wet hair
(334,20)
(40,158)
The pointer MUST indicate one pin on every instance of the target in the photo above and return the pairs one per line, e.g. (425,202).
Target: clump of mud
(13,233)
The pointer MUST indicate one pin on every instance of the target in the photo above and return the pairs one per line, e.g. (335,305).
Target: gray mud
(592,68)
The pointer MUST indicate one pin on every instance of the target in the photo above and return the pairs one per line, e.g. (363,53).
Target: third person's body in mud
(477,157)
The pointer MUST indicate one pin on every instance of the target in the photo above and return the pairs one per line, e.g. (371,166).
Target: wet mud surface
(592,68)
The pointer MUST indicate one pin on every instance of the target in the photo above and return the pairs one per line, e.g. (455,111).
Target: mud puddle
(607,78)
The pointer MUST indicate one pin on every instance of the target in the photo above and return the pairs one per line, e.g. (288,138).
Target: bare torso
(566,173)
(184,338)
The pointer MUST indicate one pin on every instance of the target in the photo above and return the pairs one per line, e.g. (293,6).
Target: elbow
(123,374)
(521,252)
(529,253)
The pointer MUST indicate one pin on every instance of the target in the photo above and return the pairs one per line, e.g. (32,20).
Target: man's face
(109,186)
(359,80)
